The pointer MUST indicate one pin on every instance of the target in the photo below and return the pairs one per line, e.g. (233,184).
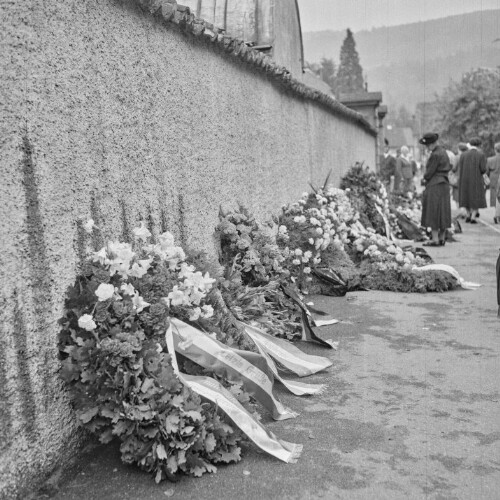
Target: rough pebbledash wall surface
(111,113)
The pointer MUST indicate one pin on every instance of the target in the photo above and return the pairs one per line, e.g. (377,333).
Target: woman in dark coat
(436,206)
(471,192)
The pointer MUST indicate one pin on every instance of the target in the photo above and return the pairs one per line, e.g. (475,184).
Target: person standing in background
(493,171)
(436,207)
(387,165)
(454,177)
(407,171)
(471,192)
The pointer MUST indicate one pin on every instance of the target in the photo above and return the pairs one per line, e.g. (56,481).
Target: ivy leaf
(172,423)
(172,464)
(147,384)
(194,415)
(88,415)
(233,456)
(210,443)
(161,452)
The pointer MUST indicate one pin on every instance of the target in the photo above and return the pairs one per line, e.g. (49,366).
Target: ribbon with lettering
(212,354)
(213,391)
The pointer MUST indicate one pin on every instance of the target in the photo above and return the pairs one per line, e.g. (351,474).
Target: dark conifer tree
(350,73)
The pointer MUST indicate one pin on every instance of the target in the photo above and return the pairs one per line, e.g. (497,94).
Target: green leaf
(172,424)
(161,452)
(88,415)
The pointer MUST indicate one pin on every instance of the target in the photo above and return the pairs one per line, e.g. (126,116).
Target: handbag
(486,181)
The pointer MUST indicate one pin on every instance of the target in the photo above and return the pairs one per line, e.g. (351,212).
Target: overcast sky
(318,15)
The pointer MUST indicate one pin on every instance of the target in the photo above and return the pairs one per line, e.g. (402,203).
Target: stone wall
(110,113)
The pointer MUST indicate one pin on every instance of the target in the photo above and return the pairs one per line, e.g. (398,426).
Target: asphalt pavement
(412,408)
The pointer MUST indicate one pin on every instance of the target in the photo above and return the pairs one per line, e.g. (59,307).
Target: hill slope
(410,63)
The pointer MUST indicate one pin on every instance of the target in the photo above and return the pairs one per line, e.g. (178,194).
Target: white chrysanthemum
(105,291)
(87,322)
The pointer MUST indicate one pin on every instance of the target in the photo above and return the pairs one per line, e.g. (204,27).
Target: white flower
(399,257)
(307,254)
(307,270)
(391,249)
(177,297)
(105,291)
(141,233)
(101,256)
(311,241)
(89,226)
(166,240)
(140,268)
(128,289)
(139,303)
(318,243)
(207,311)
(298,252)
(296,262)
(314,221)
(305,194)
(86,322)
(186,270)
(282,230)
(195,296)
(195,314)
(319,230)
(316,261)
(120,251)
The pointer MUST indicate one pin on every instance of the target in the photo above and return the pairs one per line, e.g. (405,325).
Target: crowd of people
(464,177)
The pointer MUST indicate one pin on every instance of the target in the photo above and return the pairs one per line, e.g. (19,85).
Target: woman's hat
(429,138)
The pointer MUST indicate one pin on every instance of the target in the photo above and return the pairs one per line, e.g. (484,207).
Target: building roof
(361,98)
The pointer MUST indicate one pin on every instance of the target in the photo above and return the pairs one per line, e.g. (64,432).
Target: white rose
(296,262)
(105,291)
(298,252)
(307,270)
(86,322)
(141,232)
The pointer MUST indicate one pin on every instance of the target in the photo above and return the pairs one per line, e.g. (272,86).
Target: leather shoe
(473,221)
(431,243)
(468,219)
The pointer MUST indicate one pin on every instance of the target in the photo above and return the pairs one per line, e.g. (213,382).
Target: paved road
(412,410)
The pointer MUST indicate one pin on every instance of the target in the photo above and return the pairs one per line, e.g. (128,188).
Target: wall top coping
(182,17)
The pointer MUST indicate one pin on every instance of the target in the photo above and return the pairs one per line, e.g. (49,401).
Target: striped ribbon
(286,354)
(212,354)
(222,398)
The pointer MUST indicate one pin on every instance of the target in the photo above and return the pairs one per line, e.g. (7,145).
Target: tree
(328,73)
(350,73)
(471,108)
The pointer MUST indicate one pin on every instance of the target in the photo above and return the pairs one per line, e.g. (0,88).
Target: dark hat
(475,141)
(429,138)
